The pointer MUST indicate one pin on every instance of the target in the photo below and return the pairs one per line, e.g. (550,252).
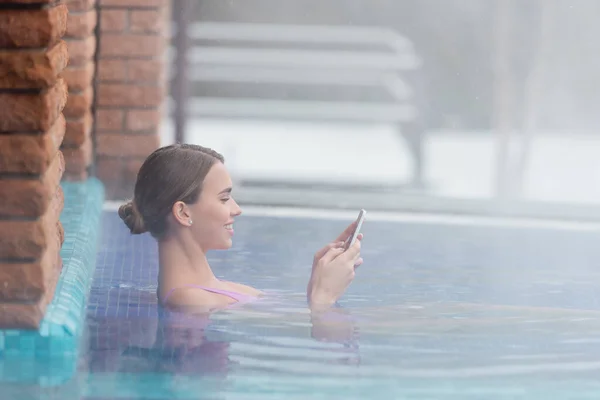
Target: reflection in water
(181,347)
(277,345)
(187,342)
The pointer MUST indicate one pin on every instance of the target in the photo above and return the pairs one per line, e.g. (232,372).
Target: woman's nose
(236,209)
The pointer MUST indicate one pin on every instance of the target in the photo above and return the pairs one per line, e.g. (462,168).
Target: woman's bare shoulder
(194,297)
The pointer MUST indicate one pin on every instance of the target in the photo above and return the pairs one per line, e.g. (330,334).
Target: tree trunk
(503,118)
(533,95)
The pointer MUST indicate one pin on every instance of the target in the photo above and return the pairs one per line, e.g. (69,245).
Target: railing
(256,57)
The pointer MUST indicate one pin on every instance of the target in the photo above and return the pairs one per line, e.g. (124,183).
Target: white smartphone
(352,238)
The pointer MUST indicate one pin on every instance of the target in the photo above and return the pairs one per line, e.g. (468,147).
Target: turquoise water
(436,312)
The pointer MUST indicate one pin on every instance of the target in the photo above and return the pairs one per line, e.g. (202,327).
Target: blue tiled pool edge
(61,329)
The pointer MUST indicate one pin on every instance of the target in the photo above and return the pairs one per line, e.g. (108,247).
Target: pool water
(444,311)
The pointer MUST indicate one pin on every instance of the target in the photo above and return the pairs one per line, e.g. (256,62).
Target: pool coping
(413,202)
(48,355)
(378,215)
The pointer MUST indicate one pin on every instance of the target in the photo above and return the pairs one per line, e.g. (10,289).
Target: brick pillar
(130,88)
(79,75)
(32,127)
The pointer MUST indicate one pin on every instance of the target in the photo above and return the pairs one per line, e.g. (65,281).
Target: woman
(182,196)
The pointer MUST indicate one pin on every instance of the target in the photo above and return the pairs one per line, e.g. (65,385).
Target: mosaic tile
(62,326)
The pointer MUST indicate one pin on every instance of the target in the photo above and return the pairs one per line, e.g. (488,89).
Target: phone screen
(361,217)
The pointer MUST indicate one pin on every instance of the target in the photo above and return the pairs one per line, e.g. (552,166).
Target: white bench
(287,59)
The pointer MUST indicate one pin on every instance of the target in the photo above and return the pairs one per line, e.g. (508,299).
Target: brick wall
(33,95)
(130,88)
(79,75)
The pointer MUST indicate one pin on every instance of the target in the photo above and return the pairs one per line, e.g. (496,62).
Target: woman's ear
(181,213)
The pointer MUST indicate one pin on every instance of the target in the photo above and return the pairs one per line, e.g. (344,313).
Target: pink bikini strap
(239,297)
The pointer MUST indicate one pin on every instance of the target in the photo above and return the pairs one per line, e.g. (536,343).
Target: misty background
(455,39)
(506,93)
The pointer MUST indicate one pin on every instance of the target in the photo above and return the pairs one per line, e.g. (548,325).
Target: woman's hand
(333,270)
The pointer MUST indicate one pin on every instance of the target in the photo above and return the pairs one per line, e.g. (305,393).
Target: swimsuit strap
(239,297)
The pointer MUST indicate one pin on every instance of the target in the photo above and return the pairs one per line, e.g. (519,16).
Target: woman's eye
(225,200)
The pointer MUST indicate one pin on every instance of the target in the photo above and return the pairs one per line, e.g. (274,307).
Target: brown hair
(170,174)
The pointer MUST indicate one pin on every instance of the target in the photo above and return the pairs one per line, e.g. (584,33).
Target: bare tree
(503,118)
(533,94)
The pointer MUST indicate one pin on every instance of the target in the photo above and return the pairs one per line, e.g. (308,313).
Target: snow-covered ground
(458,165)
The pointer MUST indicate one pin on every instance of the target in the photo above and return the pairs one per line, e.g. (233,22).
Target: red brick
(79,103)
(78,131)
(78,159)
(31,153)
(35,28)
(113,20)
(28,280)
(28,239)
(147,21)
(133,3)
(81,51)
(118,175)
(28,315)
(32,69)
(109,120)
(75,177)
(126,145)
(123,169)
(32,111)
(79,77)
(30,198)
(151,71)
(28,1)
(143,120)
(127,95)
(80,5)
(128,45)
(81,24)
(146,70)
(112,70)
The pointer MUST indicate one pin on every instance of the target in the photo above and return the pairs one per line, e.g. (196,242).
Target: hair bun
(132,218)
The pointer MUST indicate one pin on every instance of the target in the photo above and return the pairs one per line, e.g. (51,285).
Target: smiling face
(214,212)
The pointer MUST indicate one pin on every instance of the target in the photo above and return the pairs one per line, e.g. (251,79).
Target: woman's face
(213,214)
